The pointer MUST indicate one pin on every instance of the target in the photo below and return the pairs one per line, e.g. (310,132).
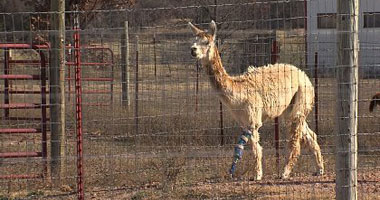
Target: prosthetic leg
(238,152)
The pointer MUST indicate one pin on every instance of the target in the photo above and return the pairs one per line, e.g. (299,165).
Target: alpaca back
(281,86)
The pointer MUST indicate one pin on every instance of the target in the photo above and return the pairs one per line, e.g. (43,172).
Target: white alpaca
(260,94)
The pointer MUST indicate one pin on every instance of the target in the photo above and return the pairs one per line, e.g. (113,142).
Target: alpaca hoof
(320,172)
(284,176)
(231,177)
(258,178)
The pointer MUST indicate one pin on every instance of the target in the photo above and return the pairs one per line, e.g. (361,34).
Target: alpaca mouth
(193,53)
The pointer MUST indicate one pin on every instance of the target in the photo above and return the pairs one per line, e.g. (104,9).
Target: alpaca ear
(213,29)
(195,30)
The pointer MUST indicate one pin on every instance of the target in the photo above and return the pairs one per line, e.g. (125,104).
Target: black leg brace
(238,153)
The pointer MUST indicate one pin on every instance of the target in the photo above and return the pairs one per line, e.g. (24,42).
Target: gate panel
(12,110)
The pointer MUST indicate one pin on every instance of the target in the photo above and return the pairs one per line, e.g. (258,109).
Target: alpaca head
(204,41)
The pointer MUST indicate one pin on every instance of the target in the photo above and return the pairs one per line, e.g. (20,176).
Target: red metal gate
(88,62)
(7,105)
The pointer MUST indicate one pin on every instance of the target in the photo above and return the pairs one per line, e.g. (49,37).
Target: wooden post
(124,66)
(57,91)
(347,102)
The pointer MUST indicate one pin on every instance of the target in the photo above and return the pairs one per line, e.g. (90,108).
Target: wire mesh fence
(153,125)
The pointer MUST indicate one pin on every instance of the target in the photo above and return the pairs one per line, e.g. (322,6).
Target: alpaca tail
(302,102)
(374,102)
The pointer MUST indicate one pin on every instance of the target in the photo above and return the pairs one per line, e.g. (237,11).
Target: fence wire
(153,126)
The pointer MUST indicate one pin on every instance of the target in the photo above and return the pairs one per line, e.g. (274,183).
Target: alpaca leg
(310,139)
(257,153)
(238,150)
(295,147)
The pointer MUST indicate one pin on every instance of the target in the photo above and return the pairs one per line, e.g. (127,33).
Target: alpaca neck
(218,76)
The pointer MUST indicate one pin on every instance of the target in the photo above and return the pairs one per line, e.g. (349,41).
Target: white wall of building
(323,41)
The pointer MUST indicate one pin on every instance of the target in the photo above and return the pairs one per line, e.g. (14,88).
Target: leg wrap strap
(238,151)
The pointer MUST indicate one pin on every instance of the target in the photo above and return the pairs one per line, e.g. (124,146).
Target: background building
(321,36)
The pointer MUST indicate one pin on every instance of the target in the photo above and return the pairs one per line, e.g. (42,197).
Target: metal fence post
(316,99)
(137,87)
(197,86)
(155,56)
(221,106)
(78,106)
(274,58)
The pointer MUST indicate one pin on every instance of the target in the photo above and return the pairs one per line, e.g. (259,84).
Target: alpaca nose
(193,50)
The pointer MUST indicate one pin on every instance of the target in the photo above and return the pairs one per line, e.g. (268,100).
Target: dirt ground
(180,179)
(298,187)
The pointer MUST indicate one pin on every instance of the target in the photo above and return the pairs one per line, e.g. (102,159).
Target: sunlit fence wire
(152,125)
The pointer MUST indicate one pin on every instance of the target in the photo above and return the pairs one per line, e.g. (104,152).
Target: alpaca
(261,93)
(374,102)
